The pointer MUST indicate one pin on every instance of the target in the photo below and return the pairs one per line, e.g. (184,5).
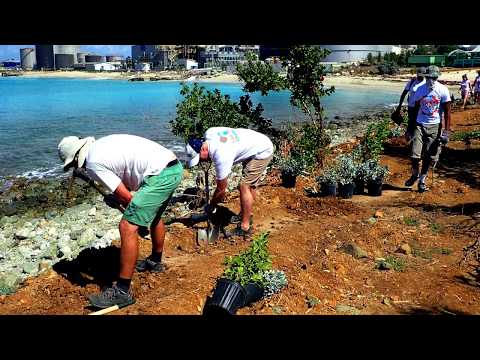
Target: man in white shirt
(226,147)
(432,100)
(476,88)
(410,89)
(125,163)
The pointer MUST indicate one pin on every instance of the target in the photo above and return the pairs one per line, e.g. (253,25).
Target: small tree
(370,58)
(202,109)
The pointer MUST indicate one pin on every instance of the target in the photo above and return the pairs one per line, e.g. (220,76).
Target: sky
(8,52)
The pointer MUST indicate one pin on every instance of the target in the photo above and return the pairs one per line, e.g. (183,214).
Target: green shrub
(251,264)
(329,176)
(411,222)
(371,170)
(375,137)
(202,109)
(346,169)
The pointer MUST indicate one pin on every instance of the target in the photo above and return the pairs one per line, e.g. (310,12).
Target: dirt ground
(305,236)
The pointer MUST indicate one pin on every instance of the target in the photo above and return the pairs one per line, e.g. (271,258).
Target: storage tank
(64,61)
(27,58)
(45,57)
(354,53)
(94,58)
(81,57)
(67,50)
(113,58)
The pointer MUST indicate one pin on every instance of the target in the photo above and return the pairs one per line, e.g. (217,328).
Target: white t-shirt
(430,100)
(477,84)
(465,86)
(411,87)
(126,158)
(227,146)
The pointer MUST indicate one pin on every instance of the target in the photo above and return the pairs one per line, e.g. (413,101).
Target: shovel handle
(105,311)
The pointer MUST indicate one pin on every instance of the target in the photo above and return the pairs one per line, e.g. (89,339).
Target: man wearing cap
(226,147)
(432,100)
(410,89)
(125,163)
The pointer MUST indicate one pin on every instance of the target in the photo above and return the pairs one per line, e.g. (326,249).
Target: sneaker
(422,187)
(411,181)
(246,235)
(150,265)
(237,219)
(111,296)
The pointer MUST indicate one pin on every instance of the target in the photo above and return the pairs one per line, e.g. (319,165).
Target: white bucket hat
(70,146)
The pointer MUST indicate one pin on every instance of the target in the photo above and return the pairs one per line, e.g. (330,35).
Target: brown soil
(305,234)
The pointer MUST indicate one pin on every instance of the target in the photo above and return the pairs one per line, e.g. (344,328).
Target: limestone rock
(405,249)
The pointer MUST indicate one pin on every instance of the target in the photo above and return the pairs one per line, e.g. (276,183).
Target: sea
(36,113)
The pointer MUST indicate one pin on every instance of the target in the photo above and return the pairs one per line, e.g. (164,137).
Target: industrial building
(55,57)
(104,66)
(188,64)
(28,60)
(225,57)
(145,67)
(161,57)
(357,53)
(339,53)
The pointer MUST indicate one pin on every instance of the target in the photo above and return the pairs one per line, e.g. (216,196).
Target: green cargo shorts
(153,196)
(424,144)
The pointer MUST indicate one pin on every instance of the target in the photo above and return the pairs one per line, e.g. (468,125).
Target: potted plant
(243,280)
(290,166)
(346,170)
(375,175)
(328,181)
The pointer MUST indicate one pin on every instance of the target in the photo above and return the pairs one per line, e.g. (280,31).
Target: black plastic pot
(375,187)
(227,298)
(328,189)
(288,180)
(254,293)
(346,191)
(359,187)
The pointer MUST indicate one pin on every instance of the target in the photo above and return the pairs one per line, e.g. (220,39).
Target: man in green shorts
(125,163)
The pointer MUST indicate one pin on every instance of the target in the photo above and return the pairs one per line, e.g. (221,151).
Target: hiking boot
(246,235)
(111,296)
(237,219)
(411,181)
(422,187)
(150,265)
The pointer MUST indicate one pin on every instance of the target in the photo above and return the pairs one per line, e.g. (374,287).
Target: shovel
(211,234)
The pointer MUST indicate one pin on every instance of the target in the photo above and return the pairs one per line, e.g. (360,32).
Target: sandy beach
(397,81)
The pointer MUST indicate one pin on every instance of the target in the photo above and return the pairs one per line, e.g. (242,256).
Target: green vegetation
(251,264)
(371,146)
(304,80)
(201,109)
(392,262)
(428,253)
(436,228)
(311,301)
(410,221)
(466,136)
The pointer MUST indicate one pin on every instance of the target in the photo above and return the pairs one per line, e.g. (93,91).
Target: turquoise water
(35,113)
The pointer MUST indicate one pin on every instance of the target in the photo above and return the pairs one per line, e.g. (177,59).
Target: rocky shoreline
(40,225)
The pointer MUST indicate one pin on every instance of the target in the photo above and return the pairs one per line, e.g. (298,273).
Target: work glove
(111,201)
(444,137)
